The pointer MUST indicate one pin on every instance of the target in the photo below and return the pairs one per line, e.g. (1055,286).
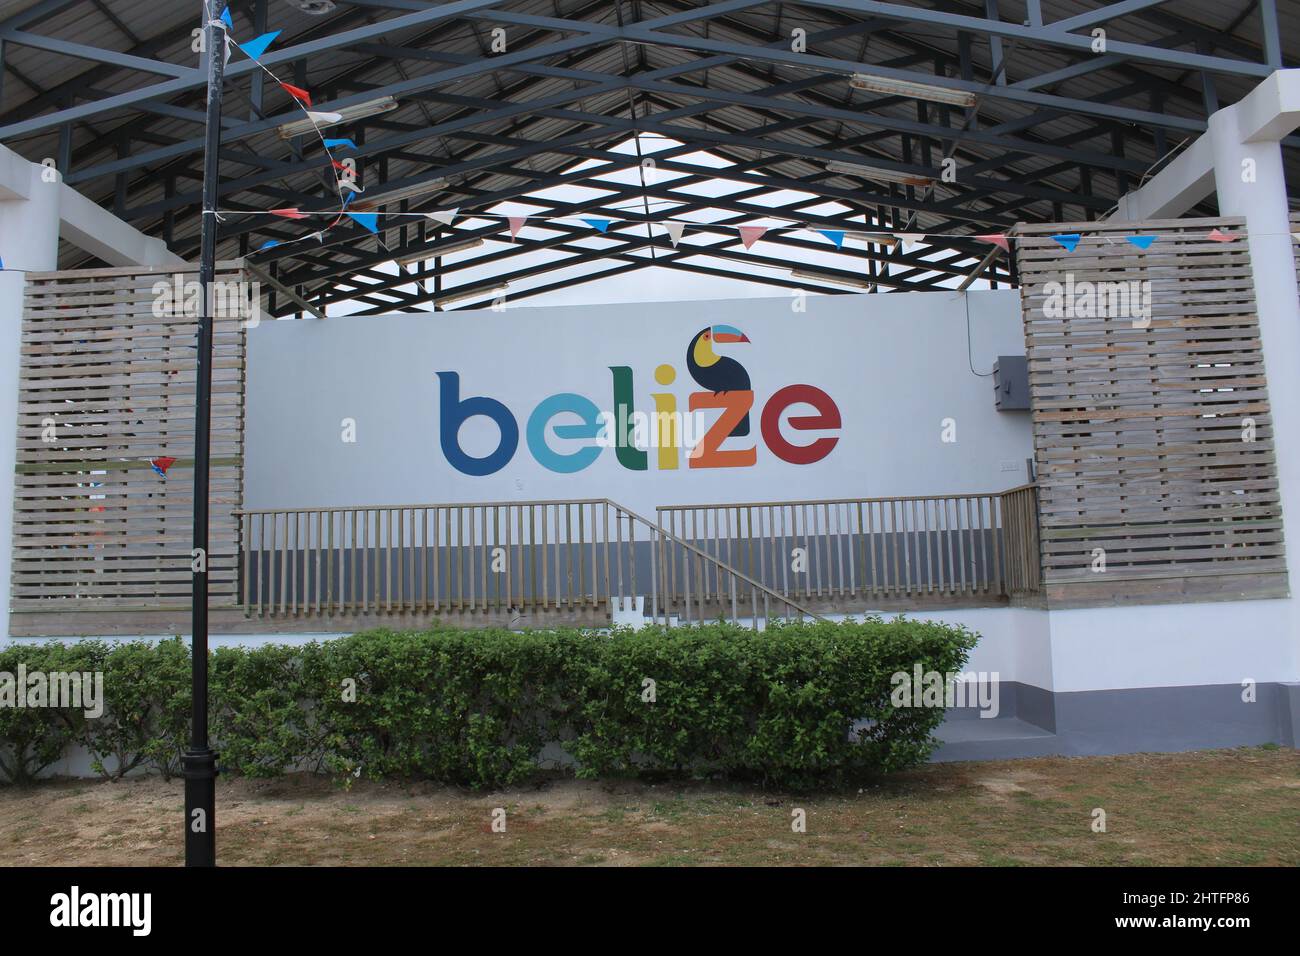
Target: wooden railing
(432,559)
(428,558)
(863,553)
(747,562)
(1023,560)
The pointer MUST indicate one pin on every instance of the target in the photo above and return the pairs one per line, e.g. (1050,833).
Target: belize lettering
(725,389)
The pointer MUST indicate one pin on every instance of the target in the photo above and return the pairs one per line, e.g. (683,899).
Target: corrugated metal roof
(37,81)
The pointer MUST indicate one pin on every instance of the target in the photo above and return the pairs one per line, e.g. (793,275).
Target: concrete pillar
(1250,182)
(29,242)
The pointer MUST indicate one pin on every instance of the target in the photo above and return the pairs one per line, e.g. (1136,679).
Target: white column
(29,242)
(1258,192)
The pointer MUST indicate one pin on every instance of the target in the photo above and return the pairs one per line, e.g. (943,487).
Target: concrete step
(997,738)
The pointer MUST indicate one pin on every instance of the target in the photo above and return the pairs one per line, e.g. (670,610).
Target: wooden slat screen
(113,385)
(1153,442)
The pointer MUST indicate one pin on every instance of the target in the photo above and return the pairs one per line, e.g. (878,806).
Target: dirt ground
(1210,808)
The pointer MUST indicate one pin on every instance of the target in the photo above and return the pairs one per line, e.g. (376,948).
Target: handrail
(335,509)
(660,530)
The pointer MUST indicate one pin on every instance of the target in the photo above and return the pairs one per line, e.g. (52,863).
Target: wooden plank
(95,529)
(1139,432)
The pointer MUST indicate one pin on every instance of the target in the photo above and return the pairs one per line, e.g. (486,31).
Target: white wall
(29,242)
(1174,645)
(896,365)
(1159,645)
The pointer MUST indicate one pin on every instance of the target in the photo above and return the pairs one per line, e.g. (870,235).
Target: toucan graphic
(718,373)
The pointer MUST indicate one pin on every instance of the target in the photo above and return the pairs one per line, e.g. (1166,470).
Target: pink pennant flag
(516,223)
(1218,236)
(751,234)
(288,213)
(997,239)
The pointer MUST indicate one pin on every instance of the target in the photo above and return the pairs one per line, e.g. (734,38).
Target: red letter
(828,416)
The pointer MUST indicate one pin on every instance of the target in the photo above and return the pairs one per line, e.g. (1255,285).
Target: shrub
(779,706)
(32,739)
(467,707)
(258,709)
(794,705)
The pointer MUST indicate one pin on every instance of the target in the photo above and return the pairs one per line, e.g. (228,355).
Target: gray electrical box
(1011,383)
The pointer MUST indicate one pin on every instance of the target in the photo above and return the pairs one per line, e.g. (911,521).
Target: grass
(1227,807)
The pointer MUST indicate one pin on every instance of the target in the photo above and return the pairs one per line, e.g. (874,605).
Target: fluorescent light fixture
(879,238)
(921,91)
(346,114)
(883,175)
(397,195)
(473,293)
(822,277)
(433,252)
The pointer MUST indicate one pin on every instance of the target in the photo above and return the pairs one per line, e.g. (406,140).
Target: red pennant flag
(298,93)
(751,234)
(516,223)
(288,213)
(997,239)
(1218,236)
(161,464)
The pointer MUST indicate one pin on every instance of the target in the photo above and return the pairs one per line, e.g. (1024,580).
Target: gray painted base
(1033,722)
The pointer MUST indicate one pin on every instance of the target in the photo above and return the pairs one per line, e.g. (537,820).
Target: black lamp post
(199,762)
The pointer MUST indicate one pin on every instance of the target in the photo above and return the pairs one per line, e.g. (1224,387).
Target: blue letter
(453,413)
(585,409)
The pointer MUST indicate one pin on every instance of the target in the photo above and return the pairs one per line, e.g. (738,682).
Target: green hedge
(477,707)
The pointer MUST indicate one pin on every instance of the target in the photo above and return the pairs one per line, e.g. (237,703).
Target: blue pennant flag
(1069,240)
(1142,242)
(257,46)
(368,219)
(600,225)
(348,202)
(334,143)
(834,235)
(268,244)
(225,18)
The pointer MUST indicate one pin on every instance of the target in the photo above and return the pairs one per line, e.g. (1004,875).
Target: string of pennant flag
(675,228)
(749,234)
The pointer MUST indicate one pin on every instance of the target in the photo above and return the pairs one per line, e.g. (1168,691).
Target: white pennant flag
(674,230)
(446,217)
(910,238)
(324,119)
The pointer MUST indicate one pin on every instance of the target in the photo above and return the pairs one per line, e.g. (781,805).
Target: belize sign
(645,403)
(725,388)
